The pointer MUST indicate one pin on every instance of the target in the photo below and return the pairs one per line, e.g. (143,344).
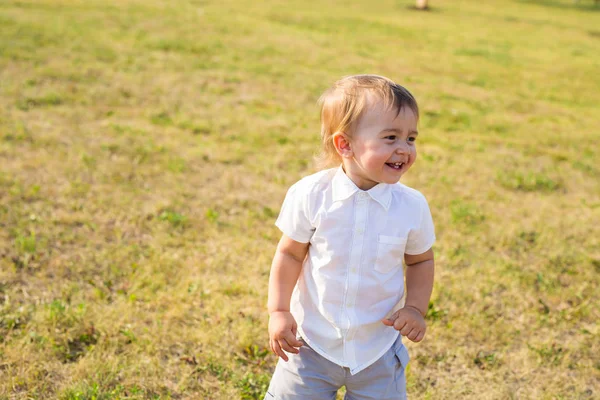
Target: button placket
(360,221)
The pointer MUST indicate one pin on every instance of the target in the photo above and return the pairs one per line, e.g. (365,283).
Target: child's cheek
(413,154)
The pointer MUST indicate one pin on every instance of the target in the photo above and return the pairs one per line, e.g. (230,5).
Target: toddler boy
(337,278)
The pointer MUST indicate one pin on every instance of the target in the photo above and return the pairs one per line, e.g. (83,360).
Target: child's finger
(399,324)
(286,346)
(390,320)
(405,330)
(412,335)
(278,350)
(292,341)
(419,337)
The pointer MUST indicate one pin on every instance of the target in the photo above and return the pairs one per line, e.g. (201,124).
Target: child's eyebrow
(399,131)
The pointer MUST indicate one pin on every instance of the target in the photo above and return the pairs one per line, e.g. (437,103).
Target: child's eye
(412,139)
(391,137)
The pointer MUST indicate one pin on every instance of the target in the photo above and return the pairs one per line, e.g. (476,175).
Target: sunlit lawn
(146,146)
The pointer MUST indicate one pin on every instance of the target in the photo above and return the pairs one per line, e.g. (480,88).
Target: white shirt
(353,276)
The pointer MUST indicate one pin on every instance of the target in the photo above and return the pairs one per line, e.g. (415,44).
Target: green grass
(146,146)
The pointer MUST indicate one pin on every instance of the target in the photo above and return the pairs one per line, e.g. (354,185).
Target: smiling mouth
(396,166)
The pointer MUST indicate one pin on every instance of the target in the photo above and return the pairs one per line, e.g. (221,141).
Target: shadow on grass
(582,5)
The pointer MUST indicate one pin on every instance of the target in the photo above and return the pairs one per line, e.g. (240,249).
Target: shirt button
(360,231)
(353,270)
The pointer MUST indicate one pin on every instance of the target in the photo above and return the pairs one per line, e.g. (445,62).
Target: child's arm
(419,280)
(286,267)
(410,320)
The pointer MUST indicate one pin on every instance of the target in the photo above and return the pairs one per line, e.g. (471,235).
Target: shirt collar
(343,188)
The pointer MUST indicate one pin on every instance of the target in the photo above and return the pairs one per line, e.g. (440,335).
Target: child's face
(382,147)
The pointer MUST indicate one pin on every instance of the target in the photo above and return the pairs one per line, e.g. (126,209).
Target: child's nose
(402,148)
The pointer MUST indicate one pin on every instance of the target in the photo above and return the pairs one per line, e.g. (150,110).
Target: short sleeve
(422,238)
(293,218)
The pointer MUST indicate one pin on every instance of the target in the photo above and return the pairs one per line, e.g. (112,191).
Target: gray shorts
(310,376)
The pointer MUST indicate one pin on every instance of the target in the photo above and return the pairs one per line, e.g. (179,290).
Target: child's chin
(391,180)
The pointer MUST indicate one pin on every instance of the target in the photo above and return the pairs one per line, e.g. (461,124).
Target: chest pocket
(390,253)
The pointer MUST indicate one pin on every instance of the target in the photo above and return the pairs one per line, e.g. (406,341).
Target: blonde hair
(343,104)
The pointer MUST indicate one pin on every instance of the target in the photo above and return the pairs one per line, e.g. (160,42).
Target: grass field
(146,146)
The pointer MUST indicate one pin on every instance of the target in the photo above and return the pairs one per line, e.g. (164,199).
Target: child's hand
(282,334)
(409,322)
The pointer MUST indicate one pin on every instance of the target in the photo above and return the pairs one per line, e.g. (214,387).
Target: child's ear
(342,144)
